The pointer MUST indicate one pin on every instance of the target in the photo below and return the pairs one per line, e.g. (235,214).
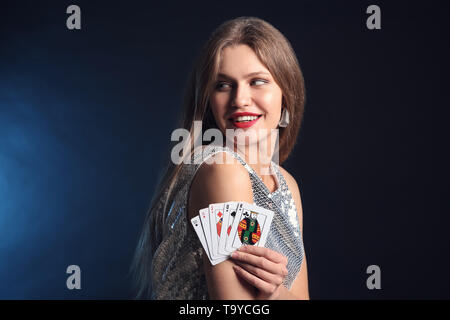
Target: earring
(284,121)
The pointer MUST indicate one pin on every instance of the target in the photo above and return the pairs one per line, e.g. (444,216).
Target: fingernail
(234,254)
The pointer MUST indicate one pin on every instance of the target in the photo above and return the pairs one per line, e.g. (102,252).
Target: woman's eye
(221,85)
(260,81)
(225,85)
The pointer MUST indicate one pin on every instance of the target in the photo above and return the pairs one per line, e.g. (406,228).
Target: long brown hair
(276,53)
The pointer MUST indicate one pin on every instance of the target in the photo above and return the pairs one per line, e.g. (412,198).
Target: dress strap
(208,151)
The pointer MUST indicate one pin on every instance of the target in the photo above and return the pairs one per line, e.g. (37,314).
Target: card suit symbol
(233,213)
(219,226)
(220,214)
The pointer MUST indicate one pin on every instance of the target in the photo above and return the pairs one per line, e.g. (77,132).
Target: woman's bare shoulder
(220,179)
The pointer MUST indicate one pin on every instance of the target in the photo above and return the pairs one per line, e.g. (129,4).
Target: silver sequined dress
(178,264)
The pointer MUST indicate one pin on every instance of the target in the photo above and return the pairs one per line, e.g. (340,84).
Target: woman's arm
(214,183)
(257,273)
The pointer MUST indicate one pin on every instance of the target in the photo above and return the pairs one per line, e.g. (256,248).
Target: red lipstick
(244,124)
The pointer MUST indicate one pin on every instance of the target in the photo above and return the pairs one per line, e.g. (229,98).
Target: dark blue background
(86,118)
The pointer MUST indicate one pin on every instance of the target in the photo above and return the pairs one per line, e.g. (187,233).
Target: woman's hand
(263,268)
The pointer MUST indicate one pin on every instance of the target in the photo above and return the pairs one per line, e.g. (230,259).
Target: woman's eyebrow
(222,75)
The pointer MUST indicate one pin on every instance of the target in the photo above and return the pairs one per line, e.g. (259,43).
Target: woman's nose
(242,96)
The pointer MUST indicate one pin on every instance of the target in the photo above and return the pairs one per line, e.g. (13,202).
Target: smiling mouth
(244,122)
(243,119)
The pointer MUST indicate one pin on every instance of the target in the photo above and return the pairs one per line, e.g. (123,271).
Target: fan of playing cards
(224,227)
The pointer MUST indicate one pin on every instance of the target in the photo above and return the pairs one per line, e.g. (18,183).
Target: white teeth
(246,118)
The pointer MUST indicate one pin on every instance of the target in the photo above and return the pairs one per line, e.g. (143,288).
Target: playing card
(234,210)
(229,208)
(204,218)
(227,226)
(196,223)
(251,227)
(215,221)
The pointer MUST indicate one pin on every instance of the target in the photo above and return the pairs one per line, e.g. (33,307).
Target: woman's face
(245,95)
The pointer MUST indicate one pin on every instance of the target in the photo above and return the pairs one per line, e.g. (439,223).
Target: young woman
(246,78)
